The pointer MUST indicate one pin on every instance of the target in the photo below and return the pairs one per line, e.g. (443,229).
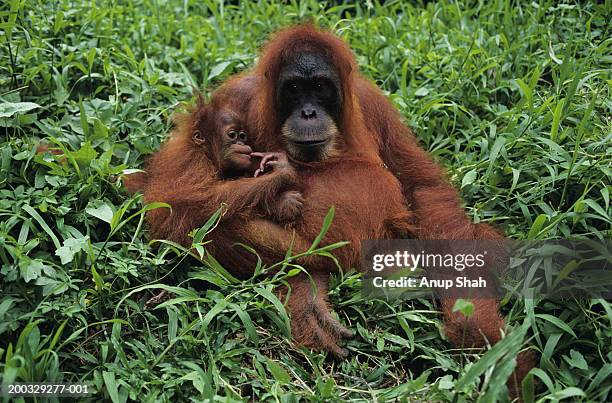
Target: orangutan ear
(198,137)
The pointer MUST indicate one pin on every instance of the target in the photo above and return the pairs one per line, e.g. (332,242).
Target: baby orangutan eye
(232,134)
(242,136)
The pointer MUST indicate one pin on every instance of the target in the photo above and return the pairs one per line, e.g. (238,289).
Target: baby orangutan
(205,164)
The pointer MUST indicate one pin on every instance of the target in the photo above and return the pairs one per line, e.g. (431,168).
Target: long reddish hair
(307,38)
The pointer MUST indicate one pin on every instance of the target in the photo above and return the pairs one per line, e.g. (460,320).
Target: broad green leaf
(327,221)
(278,372)
(219,69)
(576,360)
(468,178)
(111,386)
(71,247)
(247,322)
(279,307)
(8,109)
(30,269)
(100,210)
(557,322)
(503,350)
(464,306)
(537,226)
(43,224)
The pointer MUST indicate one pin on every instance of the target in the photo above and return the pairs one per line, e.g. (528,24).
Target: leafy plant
(512,97)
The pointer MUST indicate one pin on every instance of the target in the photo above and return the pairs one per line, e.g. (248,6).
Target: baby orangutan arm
(261,192)
(288,206)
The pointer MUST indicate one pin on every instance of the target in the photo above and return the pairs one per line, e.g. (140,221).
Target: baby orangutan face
(236,159)
(225,142)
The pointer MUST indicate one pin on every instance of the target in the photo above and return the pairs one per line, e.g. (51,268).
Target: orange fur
(378,166)
(373,129)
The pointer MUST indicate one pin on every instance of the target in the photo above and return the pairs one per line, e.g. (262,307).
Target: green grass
(513,98)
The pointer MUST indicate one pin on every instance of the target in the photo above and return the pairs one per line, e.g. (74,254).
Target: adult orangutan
(307,97)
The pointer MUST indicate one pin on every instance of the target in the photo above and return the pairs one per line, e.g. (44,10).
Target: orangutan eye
(292,88)
(242,136)
(323,89)
(232,134)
